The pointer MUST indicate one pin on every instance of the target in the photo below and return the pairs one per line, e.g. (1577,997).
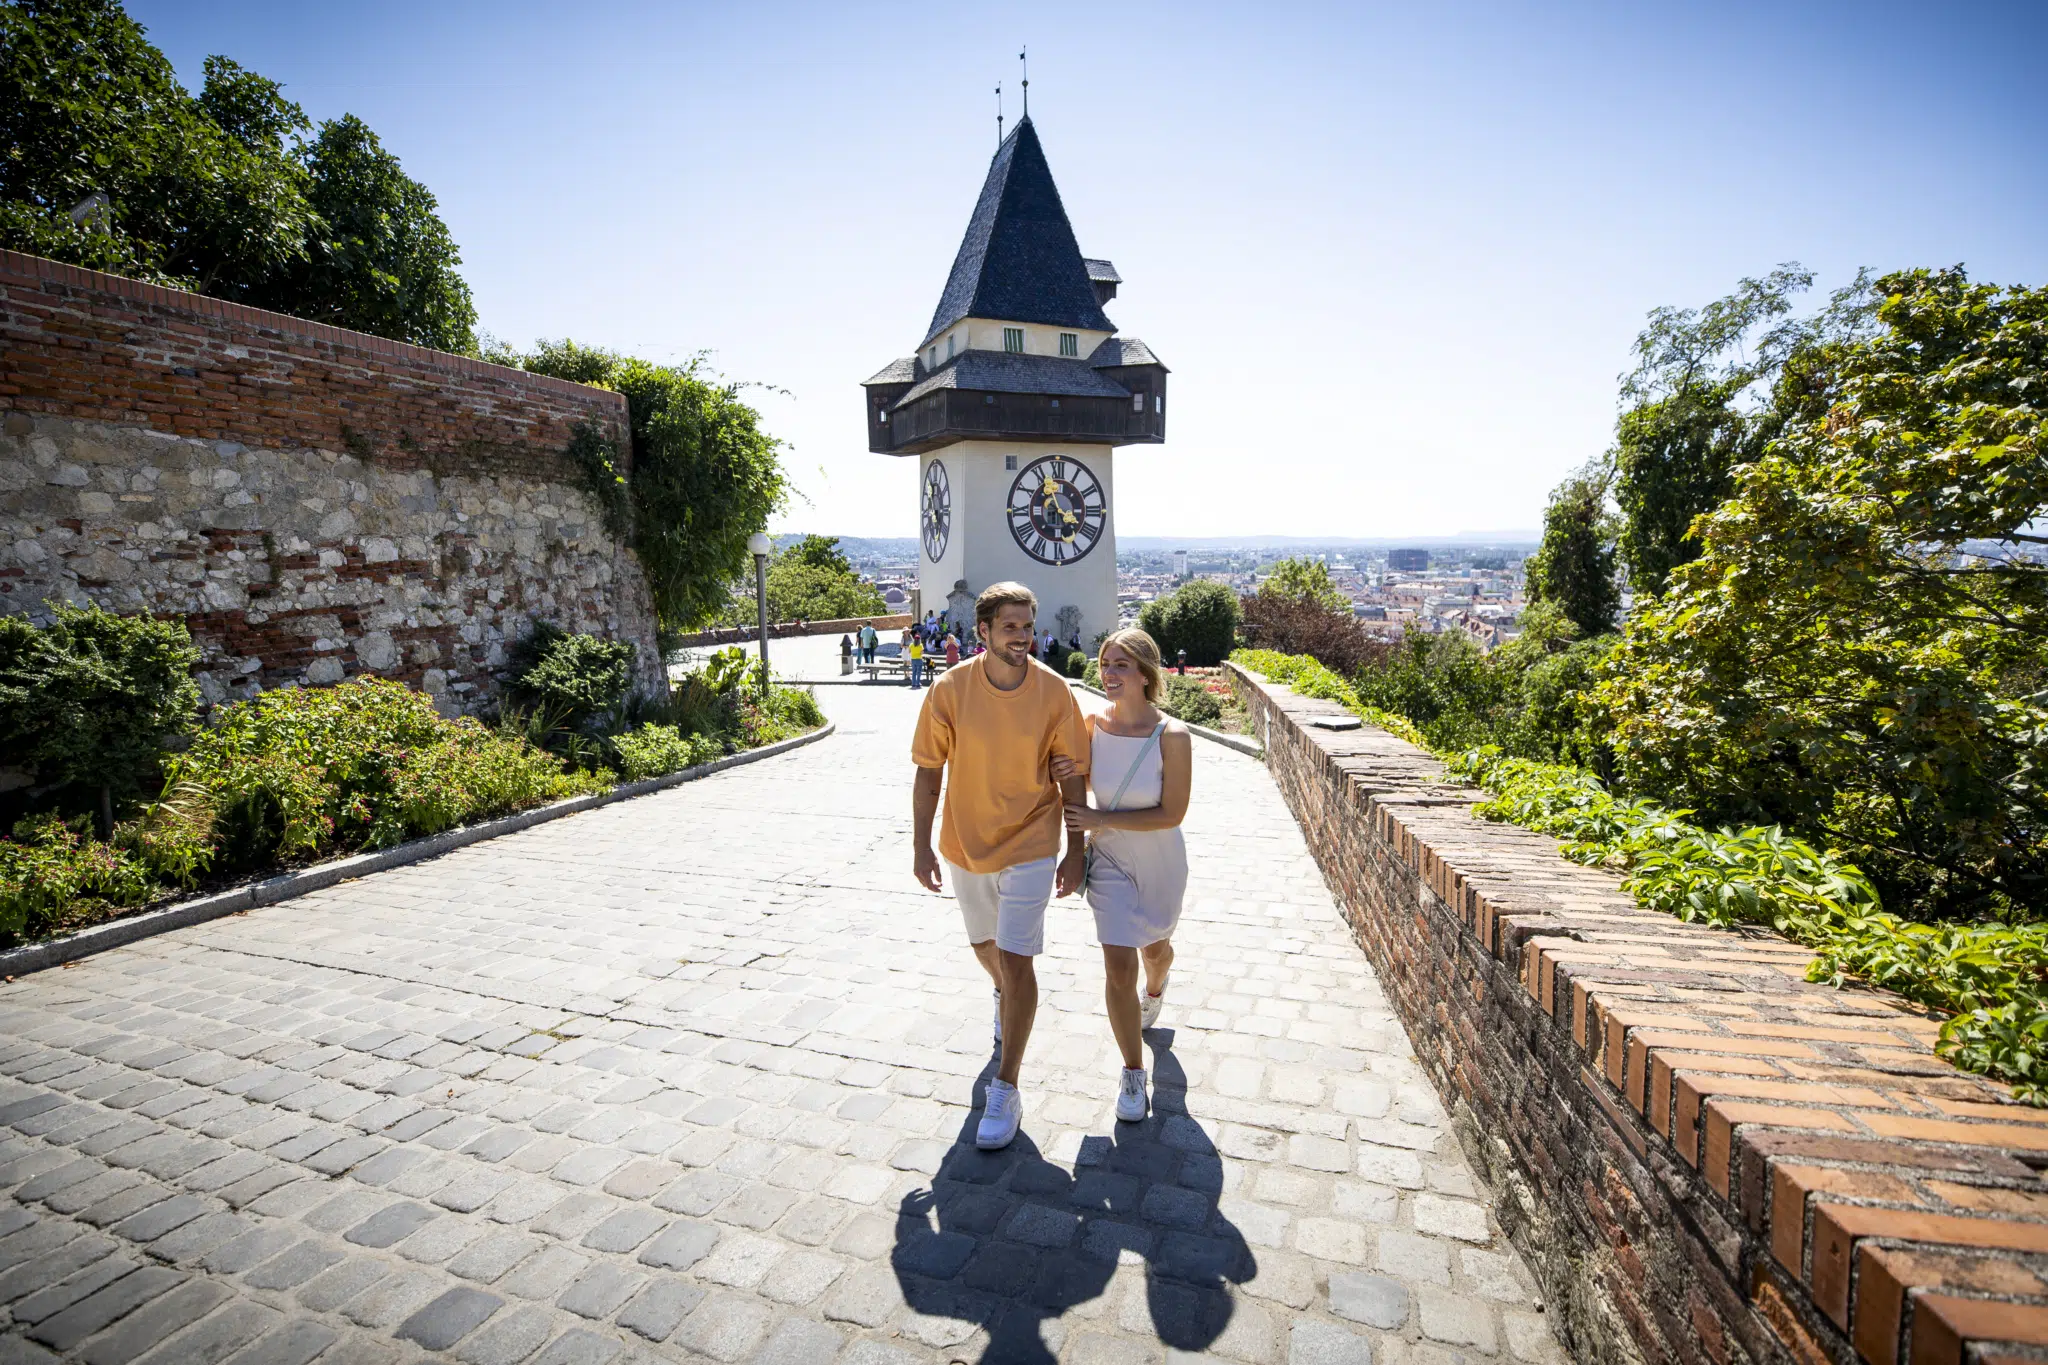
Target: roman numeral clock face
(935,511)
(1057,510)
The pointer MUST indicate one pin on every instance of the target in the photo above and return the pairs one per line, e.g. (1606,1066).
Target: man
(867,643)
(992,728)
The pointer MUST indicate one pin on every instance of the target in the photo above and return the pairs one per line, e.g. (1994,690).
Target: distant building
(1408,561)
(1180,563)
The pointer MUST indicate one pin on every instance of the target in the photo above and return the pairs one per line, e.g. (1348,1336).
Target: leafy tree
(1335,638)
(1201,618)
(1691,419)
(1849,655)
(1308,580)
(90,698)
(1574,566)
(704,475)
(107,162)
(380,260)
(812,581)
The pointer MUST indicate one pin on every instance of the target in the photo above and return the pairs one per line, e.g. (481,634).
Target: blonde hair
(1144,652)
(996,596)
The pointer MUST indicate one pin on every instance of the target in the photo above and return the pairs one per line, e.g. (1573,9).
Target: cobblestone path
(689,1077)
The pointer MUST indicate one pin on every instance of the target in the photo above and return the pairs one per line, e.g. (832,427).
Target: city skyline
(1396,259)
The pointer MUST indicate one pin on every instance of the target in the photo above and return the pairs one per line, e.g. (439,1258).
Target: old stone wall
(1702,1156)
(314,503)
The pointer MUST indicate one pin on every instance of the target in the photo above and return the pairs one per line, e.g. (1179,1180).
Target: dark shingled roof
(1009,372)
(1123,351)
(1102,270)
(1019,261)
(895,372)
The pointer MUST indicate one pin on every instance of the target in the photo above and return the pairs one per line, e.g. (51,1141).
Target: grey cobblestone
(697,1074)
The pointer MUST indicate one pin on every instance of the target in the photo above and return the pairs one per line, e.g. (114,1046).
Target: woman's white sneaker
(1149,1006)
(1131,1103)
(1001,1114)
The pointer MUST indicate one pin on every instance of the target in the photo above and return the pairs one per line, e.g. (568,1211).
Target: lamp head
(759,545)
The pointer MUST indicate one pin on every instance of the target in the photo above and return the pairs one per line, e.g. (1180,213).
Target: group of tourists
(1016,757)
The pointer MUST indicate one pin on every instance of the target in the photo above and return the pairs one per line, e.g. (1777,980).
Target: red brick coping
(1702,1155)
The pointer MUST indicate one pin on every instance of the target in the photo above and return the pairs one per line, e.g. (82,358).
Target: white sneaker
(1149,1006)
(1000,1117)
(999,1016)
(1131,1102)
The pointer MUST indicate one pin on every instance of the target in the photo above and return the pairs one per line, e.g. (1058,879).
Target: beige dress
(1136,877)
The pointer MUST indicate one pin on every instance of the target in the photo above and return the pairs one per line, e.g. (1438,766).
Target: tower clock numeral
(1057,510)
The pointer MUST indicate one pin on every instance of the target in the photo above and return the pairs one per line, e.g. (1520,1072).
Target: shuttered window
(1070,344)
(1013,340)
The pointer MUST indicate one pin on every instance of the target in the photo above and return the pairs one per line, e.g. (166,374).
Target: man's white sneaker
(1000,1117)
(999,1016)
(1131,1103)
(1149,1006)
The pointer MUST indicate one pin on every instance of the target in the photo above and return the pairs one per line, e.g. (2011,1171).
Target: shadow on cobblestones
(1010,1240)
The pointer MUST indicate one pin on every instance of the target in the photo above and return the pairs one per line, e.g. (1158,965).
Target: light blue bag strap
(1116,802)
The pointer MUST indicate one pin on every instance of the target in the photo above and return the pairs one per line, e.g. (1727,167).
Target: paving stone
(146,1326)
(599,1290)
(578,1347)
(659,1307)
(725,1327)
(1375,1300)
(63,1330)
(625,1230)
(1457,1319)
(1322,1343)
(490,1257)
(61,1293)
(507,1338)
(215,1336)
(293,1266)
(291,1343)
(449,1318)
(1419,1260)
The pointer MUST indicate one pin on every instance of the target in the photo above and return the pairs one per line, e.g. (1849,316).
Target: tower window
(1159,402)
(1013,340)
(1009,462)
(949,348)
(1055,405)
(1070,344)
(1137,402)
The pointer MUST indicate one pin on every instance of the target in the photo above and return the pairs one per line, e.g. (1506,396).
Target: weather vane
(1027,80)
(999,113)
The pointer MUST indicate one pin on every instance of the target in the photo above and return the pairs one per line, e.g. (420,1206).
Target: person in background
(916,652)
(867,643)
(952,652)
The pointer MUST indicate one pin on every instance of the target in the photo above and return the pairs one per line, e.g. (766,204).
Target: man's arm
(924,805)
(1074,866)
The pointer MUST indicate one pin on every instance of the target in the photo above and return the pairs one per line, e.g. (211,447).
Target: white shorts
(1007,906)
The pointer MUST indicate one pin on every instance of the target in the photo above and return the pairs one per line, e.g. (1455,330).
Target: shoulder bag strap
(1116,802)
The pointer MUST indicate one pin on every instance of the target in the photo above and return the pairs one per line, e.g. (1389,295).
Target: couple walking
(1017,756)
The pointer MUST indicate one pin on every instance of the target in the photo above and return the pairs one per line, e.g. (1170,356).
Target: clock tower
(1014,403)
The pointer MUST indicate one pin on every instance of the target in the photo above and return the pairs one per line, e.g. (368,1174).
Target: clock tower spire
(1015,402)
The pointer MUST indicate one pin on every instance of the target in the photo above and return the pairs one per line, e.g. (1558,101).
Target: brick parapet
(1703,1155)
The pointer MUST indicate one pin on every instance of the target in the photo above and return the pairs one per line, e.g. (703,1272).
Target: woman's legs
(1158,959)
(1120,994)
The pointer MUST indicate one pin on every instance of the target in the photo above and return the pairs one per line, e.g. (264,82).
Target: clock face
(935,513)
(1057,509)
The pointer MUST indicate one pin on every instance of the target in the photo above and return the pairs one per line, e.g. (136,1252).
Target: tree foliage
(1836,659)
(1292,624)
(1201,618)
(811,580)
(106,161)
(1307,580)
(704,475)
(1574,566)
(89,699)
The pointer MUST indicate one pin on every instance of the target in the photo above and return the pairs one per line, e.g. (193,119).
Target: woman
(1141,766)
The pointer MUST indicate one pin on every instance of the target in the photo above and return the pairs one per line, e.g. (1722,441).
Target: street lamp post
(761,547)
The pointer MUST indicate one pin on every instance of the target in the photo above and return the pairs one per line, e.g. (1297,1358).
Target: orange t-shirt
(1002,805)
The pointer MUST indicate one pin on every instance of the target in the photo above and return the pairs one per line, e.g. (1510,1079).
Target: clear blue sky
(1394,254)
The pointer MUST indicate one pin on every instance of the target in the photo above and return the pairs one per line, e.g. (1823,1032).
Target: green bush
(655,750)
(91,698)
(1201,618)
(1077,664)
(1311,679)
(1190,701)
(579,681)
(784,713)
(301,773)
(1091,673)
(52,874)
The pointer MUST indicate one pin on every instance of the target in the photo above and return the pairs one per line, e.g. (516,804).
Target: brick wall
(788,630)
(1702,1156)
(315,503)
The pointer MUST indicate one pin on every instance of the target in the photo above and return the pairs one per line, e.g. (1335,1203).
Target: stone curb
(36,957)
(1244,744)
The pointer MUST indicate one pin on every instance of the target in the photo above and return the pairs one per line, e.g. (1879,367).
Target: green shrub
(784,713)
(54,874)
(1201,618)
(1191,701)
(91,698)
(578,680)
(1311,679)
(654,750)
(297,774)
(1091,673)
(1077,664)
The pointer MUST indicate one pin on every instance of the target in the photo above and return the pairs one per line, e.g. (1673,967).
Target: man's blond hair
(996,596)
(1144,652)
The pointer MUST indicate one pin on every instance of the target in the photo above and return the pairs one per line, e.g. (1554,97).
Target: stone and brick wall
(1702,1156)
(314,503)
(790,630)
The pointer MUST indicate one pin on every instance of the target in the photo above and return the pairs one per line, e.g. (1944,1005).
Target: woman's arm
(1177,760)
